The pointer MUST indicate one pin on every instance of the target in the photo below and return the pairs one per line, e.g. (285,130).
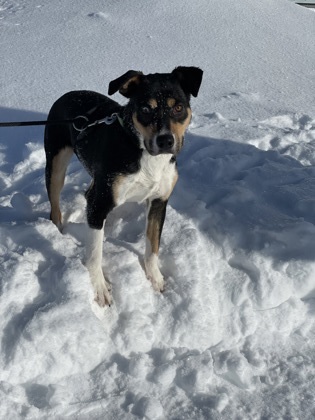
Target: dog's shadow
(233,191)
(21,164)
(51,288)
(14,139)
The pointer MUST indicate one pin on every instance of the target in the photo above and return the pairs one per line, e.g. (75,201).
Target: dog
(131,159)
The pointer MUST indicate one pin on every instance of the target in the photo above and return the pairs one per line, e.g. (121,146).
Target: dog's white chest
(155,179)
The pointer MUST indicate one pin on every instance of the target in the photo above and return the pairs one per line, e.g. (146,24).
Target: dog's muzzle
(165,143)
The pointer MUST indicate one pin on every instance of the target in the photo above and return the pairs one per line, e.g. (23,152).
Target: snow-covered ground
(233,335)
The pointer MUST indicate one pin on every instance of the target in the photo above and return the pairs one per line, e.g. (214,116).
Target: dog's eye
(177,109)
(145,109)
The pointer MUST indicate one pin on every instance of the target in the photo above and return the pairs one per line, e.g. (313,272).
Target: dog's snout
(165,142)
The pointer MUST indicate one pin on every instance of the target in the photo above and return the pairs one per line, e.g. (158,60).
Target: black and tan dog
(132,159)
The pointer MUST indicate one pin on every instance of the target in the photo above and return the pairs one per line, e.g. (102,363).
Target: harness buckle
(110,119)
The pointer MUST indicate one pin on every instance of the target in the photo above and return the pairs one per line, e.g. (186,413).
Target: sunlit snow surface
(232,336)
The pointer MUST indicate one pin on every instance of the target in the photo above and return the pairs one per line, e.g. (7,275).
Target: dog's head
(159,106)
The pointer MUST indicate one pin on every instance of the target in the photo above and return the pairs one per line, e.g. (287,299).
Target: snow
(232,336)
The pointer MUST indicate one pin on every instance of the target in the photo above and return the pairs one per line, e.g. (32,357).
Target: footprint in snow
(251,96)
(99,15)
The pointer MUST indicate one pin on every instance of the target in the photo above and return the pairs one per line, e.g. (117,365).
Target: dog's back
(73,104)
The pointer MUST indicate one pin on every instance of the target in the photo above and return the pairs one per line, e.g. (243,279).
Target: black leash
(46,122)
(77,124)
(25,123)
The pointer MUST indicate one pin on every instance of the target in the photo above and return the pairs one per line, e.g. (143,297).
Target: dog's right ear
(125,84)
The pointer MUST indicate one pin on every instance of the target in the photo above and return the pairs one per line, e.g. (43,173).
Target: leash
(77,125)
(107,120)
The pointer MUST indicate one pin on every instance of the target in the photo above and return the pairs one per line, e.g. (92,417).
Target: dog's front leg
(94,252)
(98,206)
(155,221)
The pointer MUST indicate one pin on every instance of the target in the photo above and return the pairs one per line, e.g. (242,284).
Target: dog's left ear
(189,78)
(126,84)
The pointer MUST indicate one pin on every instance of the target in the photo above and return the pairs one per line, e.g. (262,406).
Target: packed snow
(232,336)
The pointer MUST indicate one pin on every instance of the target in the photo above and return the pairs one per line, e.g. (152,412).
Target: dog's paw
(101,287)
(102,295)
(157,283)
(153,273)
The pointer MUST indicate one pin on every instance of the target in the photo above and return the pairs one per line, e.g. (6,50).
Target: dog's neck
(125,120)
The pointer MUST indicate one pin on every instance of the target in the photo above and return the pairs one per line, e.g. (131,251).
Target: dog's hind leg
(155,222)
(55,172)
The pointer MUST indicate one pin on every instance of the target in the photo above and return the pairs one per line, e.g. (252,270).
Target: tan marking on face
(179,128)
(146,132)
(153,103)
(58,173)
(170,102)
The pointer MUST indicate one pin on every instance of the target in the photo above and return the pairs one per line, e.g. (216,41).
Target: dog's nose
(165,143)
